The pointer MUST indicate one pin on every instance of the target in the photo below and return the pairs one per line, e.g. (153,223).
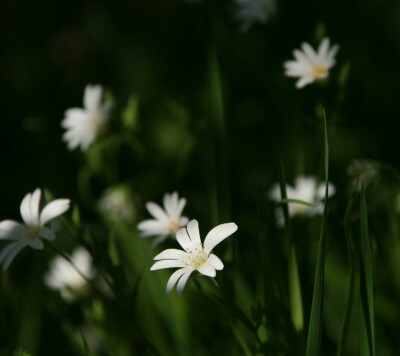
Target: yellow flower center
(318,70)
(195,258)
(173,225)
(97,123)
(33,232)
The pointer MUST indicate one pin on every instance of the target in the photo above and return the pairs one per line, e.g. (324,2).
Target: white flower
(64,277)
(364,169)
(30,233)
(165,222)
(84,125)
(117,204)
(249,11)
(195,256)
(305,189)
(310,65)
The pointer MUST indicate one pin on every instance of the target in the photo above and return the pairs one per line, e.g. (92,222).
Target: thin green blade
(366,280)
(315,326)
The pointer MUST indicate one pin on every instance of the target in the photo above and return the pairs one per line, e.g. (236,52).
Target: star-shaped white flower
(195,256)
(305,189)
(166,221)
(309,65)
(64,277)
(33,230)
(249,11)
(84,125)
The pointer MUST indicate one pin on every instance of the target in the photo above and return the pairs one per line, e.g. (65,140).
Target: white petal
(168,202)
(331,55)
(180,206)
(25,209)
(183,239)
(34,205)
(17,248)
(155,210)
(321,190)
(302,58)
(171,254)
(12,230)
(167,264)
(46,234)
(152,227)
(310,53)
(182,282)
(193,231)
(37,244)
(7,249)
(207,270)
(92,97)
(323,49)
(215,262)
(54,209)
(175,276)
(217,234)
(301,83)
(183,221)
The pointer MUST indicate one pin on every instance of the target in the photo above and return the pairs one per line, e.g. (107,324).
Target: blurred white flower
(195,256)
(117,204)
(249,11)
(33,229)
(365,169)
(84,125)
(309,65)
(166,222)
(64,277)
(305,189)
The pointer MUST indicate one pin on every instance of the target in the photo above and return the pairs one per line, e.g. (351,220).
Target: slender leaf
(366,278)
(315,326)
(296,201)
(352,263)
(296,302)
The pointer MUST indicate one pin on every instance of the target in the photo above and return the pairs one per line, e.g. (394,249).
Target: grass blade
(366,279)
(315,326)
(296,302)
(352,263)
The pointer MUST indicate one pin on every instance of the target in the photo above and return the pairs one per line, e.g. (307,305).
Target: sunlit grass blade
(296,302)
(366,279)
(296,201)
(353,267)
(315,326)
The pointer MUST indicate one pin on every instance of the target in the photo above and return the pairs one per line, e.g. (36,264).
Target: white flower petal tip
(194,255)
(84,125)
(33,230)
(63,276)
(305,189)
(166,221)
(248,12)
(310,65)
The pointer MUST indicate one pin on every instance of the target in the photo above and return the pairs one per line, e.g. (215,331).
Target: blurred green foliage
(199,108)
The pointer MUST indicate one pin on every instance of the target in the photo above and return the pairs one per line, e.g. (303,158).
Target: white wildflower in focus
(166,221)
(195,257)
(248,12)
(363,169)
(33,230)
(309,65)
(83,125)
(305,189)
(117,204)
(65,278)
